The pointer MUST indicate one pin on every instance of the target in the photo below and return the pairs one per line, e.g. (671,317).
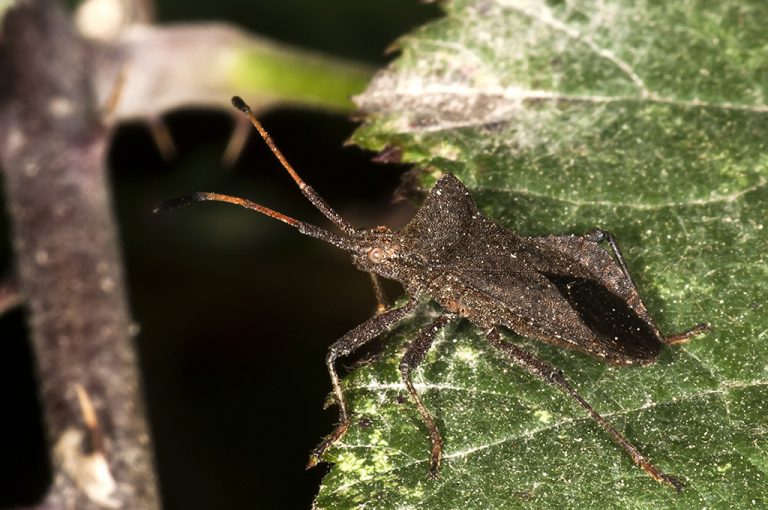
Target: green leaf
(648,119)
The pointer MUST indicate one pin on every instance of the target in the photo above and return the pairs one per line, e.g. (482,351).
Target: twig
(10,297)
(52,150)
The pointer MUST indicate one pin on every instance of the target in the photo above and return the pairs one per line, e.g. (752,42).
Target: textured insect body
(564,290)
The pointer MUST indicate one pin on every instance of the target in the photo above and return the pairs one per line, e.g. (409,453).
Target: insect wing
(563,290)
(607,299)
(577,299)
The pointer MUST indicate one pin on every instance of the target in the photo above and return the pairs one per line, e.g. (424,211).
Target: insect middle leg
(412,358)
(551,375)
(345,345)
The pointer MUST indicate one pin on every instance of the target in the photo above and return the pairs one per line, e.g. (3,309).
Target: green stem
(287,75)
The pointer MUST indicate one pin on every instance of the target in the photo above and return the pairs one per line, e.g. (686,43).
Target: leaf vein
(693,202)
(419,96)
(545,16)
(720,392)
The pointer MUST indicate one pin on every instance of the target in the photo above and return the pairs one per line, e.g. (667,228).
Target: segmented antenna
(202,196)
(306,189)
(304,228)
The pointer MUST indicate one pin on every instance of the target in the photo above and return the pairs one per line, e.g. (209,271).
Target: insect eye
(376,255)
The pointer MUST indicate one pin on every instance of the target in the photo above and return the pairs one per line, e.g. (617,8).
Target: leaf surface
(648,119)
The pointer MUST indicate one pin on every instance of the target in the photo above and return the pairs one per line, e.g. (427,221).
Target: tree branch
(60,94)
(52,150)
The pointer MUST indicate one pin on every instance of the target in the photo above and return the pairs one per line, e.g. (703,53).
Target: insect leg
(554,376)
(382,303)
(681,338)
(598,235)
(345,345)
(413,357)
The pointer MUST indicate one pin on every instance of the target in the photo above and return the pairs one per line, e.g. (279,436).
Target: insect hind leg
(598,235)
(551,375)
(685,336)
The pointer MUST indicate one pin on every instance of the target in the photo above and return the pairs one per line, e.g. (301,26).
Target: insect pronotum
(564,290)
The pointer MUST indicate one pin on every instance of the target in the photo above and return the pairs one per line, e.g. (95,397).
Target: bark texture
(52,151)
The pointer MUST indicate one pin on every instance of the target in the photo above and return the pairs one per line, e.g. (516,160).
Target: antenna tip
(238,103)
(173,203)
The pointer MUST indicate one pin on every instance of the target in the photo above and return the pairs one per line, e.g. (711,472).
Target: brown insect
(564,290)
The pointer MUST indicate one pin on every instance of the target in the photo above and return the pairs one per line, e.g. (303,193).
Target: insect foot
(317,453)
(563,290)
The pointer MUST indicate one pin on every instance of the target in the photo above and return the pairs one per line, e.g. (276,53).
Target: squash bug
(565,290)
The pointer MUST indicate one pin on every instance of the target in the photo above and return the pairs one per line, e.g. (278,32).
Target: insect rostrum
(565,290)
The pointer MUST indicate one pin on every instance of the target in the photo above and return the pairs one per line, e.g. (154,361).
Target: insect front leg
(382,303)
(413,357)
(551,375)
(345,345)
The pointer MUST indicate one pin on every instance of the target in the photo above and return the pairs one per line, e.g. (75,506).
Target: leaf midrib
(693,202)
(721,391)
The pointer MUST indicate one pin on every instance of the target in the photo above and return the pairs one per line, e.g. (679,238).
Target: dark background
(235,310)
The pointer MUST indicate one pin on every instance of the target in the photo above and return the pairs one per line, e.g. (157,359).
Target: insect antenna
(304,228)
(306,189)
